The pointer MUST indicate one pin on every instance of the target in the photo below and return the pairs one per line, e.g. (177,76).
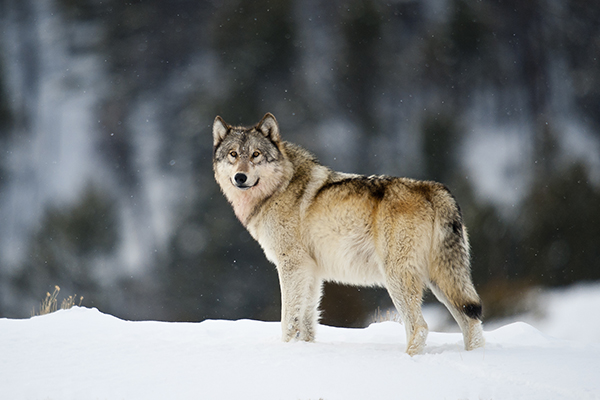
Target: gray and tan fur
(319,225)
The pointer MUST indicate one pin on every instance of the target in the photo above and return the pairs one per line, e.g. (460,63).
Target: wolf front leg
(300,294)
(310,314)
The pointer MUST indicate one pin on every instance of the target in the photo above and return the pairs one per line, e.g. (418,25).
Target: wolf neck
(246,205)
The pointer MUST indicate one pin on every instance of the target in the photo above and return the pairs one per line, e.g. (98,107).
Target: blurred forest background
(106,108)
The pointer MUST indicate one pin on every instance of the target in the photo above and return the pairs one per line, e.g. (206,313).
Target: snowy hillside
(82,354)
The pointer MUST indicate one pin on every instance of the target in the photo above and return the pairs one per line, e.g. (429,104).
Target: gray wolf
(319,225)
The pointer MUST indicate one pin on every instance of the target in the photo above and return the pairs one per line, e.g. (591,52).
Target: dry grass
(50,303)
(388,315)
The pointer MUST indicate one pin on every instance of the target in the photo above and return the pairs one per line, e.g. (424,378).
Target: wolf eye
(256,154)
(233,154)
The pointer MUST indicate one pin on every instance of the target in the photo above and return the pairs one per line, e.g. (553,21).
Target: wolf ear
(268,126)
(220,129)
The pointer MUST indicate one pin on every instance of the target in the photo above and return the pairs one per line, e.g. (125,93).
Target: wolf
(319,225)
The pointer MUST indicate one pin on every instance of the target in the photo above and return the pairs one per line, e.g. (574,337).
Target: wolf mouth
(246,187)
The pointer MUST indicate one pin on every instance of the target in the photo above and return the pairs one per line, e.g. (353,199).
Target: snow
(560,313)
(82,353)
(563,313)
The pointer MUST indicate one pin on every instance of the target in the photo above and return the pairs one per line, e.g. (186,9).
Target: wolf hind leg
(450,281)
(453,287)
(470,327)
(406,291)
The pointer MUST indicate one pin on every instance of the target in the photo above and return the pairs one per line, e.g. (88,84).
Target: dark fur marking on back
(376,186)
(423,189)
(472,310)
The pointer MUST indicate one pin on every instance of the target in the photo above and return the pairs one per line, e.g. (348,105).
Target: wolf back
(320,225)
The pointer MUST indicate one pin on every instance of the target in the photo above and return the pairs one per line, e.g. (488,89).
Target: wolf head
(249,163)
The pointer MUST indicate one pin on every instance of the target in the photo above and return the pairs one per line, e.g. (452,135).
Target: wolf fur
(319,225)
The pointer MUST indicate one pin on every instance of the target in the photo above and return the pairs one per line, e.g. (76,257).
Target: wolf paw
(416,343)
(475,343)
(475,339)
(297,336)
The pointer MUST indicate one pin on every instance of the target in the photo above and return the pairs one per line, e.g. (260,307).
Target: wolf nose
(240,178)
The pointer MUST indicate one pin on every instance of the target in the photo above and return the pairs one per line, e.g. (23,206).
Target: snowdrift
(82,353)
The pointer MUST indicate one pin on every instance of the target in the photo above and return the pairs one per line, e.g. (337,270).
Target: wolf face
(248,163)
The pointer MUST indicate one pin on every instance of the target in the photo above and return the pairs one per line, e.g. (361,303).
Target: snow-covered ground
(571,313)
(82,354)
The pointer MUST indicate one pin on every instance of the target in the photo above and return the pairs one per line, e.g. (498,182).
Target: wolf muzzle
(240,179)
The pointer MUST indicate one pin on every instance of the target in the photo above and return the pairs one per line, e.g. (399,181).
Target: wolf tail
(450,263)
